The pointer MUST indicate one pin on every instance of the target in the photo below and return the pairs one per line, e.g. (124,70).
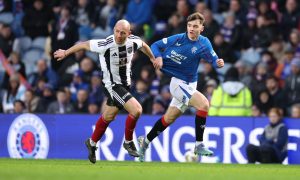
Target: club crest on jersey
(194,49)
(28,138)
(129,50)
(165,40)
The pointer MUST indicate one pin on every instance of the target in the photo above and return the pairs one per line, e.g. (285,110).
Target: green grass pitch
(20,169)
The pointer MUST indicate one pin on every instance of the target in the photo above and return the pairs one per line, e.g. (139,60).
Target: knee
(137,112)
(205,105)
(109,117)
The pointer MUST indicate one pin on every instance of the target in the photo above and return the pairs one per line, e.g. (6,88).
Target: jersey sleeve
(209,54)
(160,45)
(138,42)
(97,45)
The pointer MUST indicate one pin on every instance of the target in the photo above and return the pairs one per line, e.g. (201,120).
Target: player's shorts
(117,95)
(182,92)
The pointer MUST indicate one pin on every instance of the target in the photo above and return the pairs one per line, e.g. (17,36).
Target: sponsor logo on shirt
(176,57)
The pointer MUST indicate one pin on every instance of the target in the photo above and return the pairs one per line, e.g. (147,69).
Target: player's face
(121,33)
(194,28)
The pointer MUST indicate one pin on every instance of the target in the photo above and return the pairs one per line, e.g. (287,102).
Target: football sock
(101,126)
(198,143)
(159,127)
(129,127)
(200,122)
(92,142)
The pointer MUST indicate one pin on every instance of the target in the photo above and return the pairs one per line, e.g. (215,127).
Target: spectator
(256,111)
(232,98)
(231,32)
(290,17)
(15,91)
(43,71)
(208,73)
(283,69)
(96,93)
(19,107)
(106,18)
(292,85)
(17,65)
(258,79)
(77,84)
(139,13)
(268,58)
(244,70)
(267,30)
(211,26)
(64,33)
(275,92)
(294,41)
(250,31)
(140,92)
(46,98)
(37,19)
(264,101)
(31,101)
(87,66)
(93,108)
(81,104)
(236,8)
(61,105)
(158,106)
(295,111)
(273,142)
(175,24)
(209,88)
(6,39)
(223,49)
(84,15)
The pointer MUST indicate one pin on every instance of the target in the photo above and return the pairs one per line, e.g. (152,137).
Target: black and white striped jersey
(115,60)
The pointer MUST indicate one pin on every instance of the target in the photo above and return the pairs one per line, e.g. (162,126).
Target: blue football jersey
(181,55)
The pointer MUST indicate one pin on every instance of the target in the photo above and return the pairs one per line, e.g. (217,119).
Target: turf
(81,169)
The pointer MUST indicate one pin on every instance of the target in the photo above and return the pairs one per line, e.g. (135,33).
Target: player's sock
(158,128)
(92,142)
(129,127)
(200,122)
(101,126)
(198,143)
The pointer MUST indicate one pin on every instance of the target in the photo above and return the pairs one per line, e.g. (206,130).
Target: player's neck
(193,38)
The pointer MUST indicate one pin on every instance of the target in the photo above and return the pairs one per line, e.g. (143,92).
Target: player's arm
(160,46)
(60,54)
(146,50)
(211,56)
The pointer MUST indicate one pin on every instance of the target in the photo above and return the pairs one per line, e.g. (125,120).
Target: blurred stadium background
(260,38)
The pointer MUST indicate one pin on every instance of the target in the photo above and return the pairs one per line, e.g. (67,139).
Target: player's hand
(59,54)
(220,63)
(158,63)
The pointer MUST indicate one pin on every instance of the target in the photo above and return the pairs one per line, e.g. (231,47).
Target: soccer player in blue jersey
(178,56)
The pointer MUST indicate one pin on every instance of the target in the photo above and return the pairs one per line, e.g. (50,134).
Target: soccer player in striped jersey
(115,55)
(178,56)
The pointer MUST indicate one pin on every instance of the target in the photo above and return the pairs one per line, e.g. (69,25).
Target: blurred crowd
(259,41)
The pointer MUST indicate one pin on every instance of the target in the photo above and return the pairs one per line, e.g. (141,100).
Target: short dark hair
(196,16)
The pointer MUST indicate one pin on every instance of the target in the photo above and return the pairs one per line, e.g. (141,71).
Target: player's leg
(201,104)
(124,99)
(166,120)
(253,153)
(135,110)
(102,123)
